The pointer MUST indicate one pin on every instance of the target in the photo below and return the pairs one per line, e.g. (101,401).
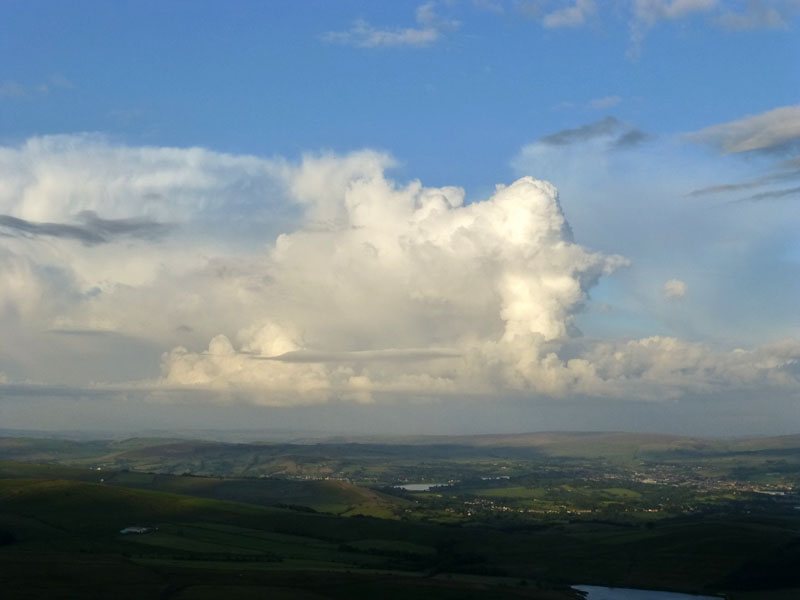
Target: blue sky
(167,170)
(260,78)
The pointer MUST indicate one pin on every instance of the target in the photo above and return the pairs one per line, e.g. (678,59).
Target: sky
(456,216)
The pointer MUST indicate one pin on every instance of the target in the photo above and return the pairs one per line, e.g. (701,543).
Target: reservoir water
(594,592)
(420,487)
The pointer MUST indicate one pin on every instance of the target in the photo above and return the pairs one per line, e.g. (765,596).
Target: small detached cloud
(573,15)
(675,289)
(605,102)
(430,28)
(590,131)
(610,129)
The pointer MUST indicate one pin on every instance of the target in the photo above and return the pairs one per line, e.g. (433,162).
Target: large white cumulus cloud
(462,289)
(298,282)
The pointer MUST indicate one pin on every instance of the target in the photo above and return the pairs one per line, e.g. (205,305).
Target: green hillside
(337,497)
(61,539)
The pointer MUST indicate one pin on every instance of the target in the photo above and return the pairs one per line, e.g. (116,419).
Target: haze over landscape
(443,217)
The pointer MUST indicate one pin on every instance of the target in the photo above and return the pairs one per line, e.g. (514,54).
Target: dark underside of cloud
(632,137)
(91,230)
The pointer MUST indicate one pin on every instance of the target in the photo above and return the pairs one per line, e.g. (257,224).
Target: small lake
(594,592)
(420,487)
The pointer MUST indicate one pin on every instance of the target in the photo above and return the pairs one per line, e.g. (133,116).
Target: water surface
(595,592)
(420,487)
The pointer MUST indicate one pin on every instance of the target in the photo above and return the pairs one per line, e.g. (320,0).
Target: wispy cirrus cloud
(430,28)
(651,11)
(644,15)
(760,14)
(641,16)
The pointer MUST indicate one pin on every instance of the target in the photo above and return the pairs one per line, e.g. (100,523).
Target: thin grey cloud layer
(746,185)
(631,138)
(92,231)
(776,130)
(583,133)
(771,195)
(391,354)
(760,14)
(619,134)
(81,332)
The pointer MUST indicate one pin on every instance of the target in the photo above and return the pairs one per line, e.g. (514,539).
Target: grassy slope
(336,497)
(62,540)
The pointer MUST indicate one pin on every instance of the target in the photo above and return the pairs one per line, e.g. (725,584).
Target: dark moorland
(507,516)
